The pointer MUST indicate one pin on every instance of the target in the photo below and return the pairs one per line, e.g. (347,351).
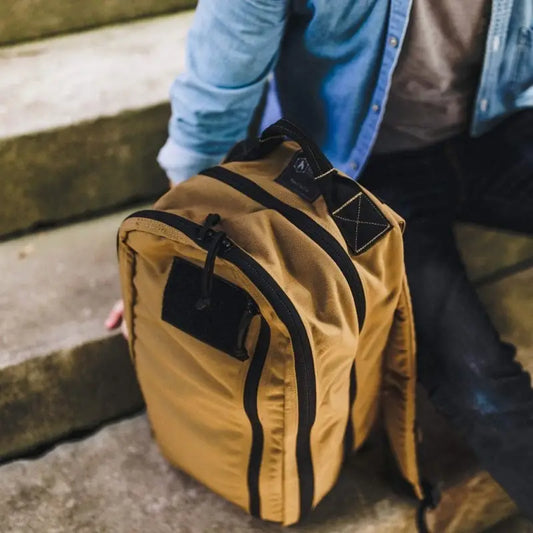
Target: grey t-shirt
(435,81)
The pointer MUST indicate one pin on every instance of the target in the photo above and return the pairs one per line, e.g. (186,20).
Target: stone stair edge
(60,371)
(18,25)
(82,131)
(115,167)
(68,393)
(69,79)
(117,480)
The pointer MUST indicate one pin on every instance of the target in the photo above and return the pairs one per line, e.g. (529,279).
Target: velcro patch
(360,221)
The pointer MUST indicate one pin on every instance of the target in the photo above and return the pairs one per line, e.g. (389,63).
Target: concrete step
(82,118)
(117,481)
(60,373)
(516,524)
(18,20)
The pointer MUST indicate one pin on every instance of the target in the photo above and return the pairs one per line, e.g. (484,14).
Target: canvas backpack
(270,323)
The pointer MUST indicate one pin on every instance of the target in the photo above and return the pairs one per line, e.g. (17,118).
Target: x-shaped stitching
(357,221)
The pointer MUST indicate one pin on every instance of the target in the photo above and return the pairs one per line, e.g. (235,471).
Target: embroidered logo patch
(301,165)
(361,222)
(298,177)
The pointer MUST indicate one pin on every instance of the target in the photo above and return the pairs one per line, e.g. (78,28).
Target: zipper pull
(251,310)
(207,273)
(210,220)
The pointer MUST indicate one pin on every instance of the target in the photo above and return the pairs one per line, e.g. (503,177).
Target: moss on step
(30,19)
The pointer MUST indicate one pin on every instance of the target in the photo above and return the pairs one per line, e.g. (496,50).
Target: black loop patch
(360,221)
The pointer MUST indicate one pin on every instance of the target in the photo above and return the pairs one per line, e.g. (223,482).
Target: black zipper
(303,222)
(303,363)
(288,314)
(246,319)
(250,406)
(349,434)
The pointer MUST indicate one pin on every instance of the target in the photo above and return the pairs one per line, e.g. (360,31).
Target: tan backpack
(270,322)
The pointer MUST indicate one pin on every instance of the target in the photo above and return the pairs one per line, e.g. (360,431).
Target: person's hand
(115,319)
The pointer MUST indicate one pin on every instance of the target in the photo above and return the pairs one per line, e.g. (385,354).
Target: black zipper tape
(303,363)
(250,406)
(303,222)
(288,314)
(349,435)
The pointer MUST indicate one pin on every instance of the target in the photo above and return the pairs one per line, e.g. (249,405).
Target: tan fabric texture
(434,84)
(195,393)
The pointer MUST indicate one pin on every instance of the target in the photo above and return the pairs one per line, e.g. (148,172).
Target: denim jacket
(330,65)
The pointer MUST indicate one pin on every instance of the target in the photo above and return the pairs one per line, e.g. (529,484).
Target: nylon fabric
(195,392)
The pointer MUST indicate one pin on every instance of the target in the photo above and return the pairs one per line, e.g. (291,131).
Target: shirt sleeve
(232,47)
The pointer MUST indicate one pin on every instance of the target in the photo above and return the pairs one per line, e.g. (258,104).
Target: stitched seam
(379,234)
(361,221)
(346,203)
(133,291)
(377,210)
(357,223)
(271,138)
(325,174)
(373,239)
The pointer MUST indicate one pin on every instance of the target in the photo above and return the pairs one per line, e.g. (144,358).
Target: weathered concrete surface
(515,524)
(70,172)
(82,118)
(488,251)
(56,287)
(66,80)
(116,481)
(510,305)
(59,369)
(18,20)
(486,504)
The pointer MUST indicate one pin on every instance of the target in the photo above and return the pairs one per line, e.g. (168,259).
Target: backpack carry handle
(271,138)
(318,162)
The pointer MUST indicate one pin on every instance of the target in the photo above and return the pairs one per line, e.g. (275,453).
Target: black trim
(303,364)
(250,406)
(359,220)
(288,314)
(349,435)
(304,223)
(318,161)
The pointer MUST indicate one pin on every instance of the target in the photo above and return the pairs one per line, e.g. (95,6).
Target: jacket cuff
(181,163)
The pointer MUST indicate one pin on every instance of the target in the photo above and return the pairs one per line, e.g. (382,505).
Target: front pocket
(223,324)
(304,373)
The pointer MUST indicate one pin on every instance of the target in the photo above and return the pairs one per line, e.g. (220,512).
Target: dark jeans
(471,375)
